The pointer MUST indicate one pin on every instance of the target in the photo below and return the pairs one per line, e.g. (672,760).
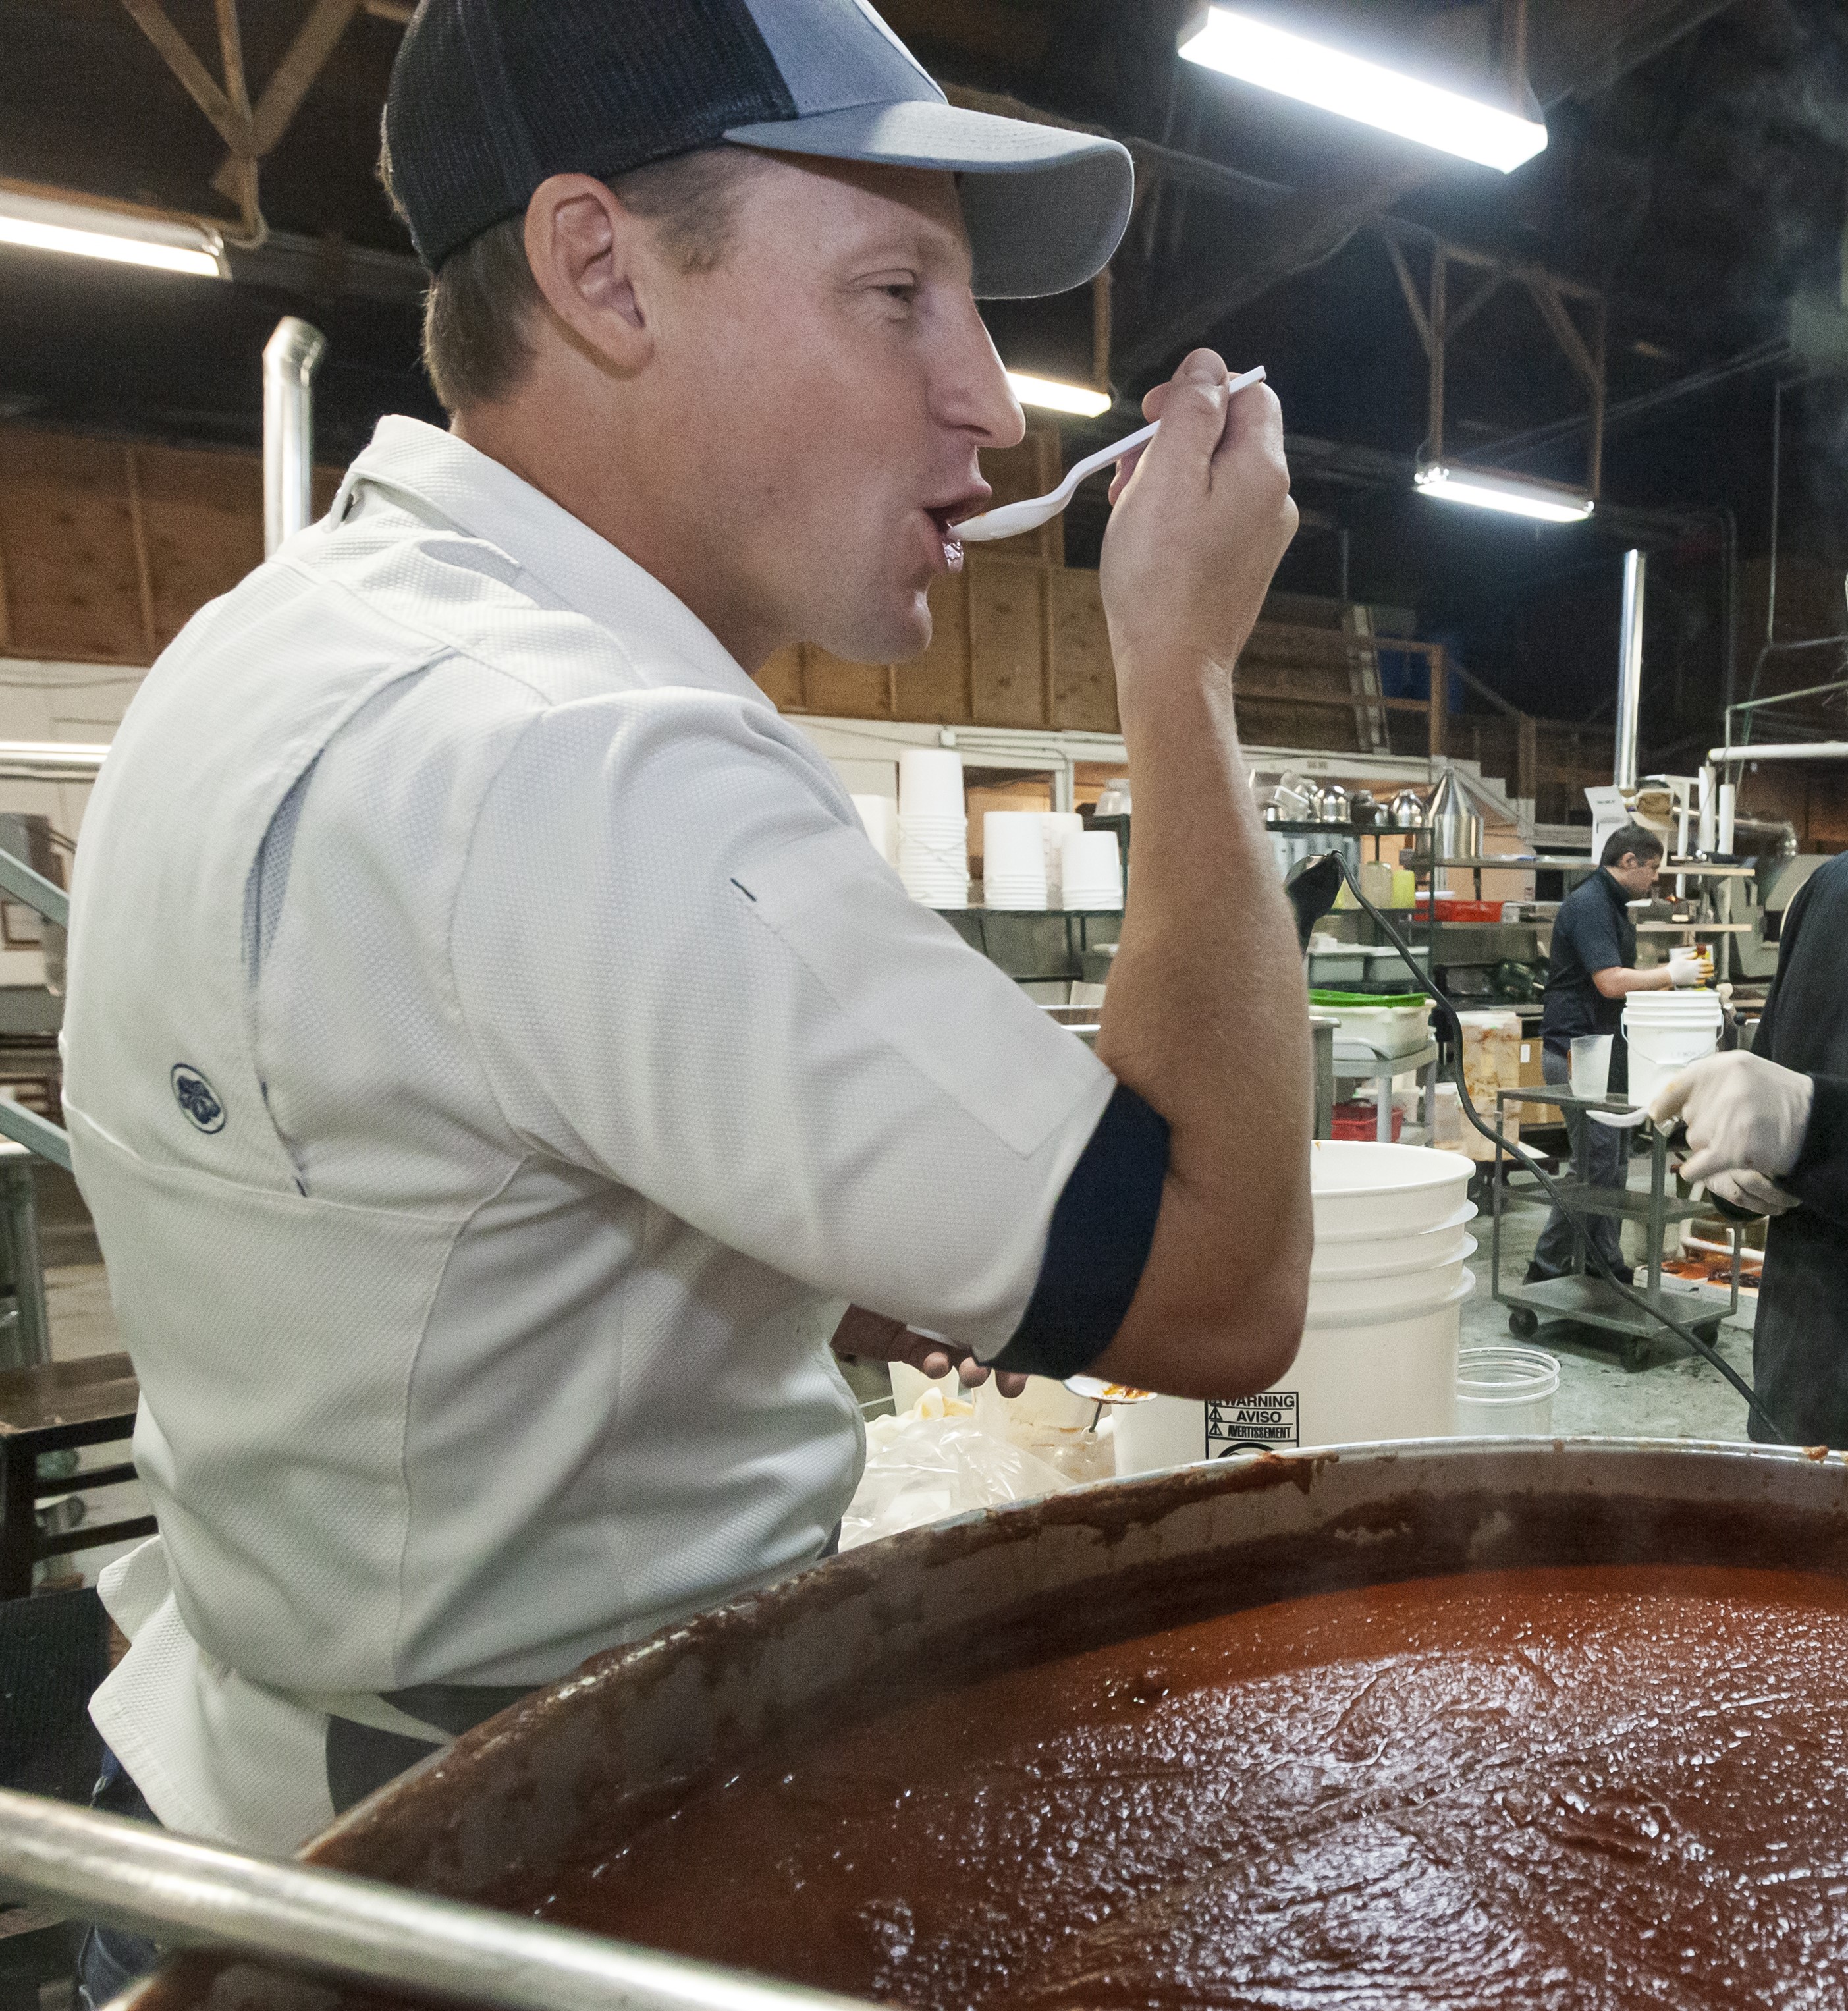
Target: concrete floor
(1679,1396)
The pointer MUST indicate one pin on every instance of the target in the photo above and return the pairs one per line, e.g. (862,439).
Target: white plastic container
(1013,859)
(1590,1066)
(1055,827)
(1091,870)
(1364,1378)
(930,783)
(1665,1031)
(879,815)
(1363,1190)
(1333,970)
(1381,1031)
(1505,1391)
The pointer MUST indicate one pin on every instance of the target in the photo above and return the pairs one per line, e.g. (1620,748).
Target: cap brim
(1045,208)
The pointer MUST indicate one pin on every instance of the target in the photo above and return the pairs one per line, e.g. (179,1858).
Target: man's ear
(585,250)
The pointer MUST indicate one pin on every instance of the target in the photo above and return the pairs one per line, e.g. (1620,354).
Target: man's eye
(904,291)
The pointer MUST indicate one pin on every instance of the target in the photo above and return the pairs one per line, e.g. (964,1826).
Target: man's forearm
(1205,1017)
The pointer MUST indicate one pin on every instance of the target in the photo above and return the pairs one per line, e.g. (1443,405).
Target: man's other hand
(872,1337)
(1741,1112)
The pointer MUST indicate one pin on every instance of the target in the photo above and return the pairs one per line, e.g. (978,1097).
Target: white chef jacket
(494,1053)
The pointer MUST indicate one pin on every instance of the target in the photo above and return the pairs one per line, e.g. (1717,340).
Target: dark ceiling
(1695,174)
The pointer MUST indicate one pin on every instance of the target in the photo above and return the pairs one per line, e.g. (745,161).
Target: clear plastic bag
(934,1459)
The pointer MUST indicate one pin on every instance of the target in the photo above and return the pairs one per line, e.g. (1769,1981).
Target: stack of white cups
(933,827)
(879,815)
(1091,871)
(1014,859)
(1055,827)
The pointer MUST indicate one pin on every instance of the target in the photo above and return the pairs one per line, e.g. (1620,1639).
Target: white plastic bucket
(1667,1034)
(1383,1292)
(1391,1377)
(1330,1239)
(1505,1391)
(1388,1256)
(1362,1189)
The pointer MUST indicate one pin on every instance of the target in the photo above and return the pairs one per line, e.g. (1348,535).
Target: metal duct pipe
(290,358)
(1629,669)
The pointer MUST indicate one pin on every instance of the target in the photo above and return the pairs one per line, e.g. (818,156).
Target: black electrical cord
(1454,1026)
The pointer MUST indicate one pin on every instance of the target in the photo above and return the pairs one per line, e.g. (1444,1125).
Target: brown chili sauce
(1591,1785)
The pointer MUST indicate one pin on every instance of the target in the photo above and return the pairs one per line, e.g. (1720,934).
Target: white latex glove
(1684,971)
(1741,1111)
(1751,1191)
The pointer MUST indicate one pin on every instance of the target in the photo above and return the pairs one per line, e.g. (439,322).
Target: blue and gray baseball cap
(489,98)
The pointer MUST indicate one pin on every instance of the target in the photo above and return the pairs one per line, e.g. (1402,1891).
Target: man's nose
(973,392)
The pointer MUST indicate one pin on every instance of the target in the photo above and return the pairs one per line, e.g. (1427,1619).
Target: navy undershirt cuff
(1102,1226)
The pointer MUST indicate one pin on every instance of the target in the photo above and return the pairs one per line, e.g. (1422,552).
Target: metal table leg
(18,1203)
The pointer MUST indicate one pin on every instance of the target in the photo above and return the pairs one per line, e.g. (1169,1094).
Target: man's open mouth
(944,517)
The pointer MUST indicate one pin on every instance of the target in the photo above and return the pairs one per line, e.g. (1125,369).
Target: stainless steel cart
(1581,1296)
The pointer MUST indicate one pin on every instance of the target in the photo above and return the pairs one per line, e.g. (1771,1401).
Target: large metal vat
(1100,1563)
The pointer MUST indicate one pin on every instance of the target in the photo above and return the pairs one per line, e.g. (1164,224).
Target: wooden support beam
(1527,758)
(1100,331)
(306,58)
(1339,639)
(1466,313)
(151,18)
(237,178)
(1320,701)
(137,531)
(1408,286)
(1440,317)
(1565,330)
(1440,702)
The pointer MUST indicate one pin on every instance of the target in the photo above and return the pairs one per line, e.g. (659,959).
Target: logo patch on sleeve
(197,1097)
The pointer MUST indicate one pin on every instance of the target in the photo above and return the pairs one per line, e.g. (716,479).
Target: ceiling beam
(306,58)
(151,19)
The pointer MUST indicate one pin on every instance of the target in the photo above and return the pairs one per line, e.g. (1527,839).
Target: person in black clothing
(1592,972)
(1768,1131)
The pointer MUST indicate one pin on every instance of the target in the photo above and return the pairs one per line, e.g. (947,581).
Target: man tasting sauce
(1583,1786)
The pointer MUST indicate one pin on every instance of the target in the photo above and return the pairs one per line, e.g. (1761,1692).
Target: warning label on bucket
(1268,1419)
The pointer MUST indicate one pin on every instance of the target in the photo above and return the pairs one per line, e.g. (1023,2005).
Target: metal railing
(190,1895)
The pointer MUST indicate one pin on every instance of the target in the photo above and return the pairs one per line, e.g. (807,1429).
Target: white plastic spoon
(1012,518)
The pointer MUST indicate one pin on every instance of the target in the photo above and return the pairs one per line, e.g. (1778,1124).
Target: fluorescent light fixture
(127,236)
(1057,397)
(1231,39)
(1518,495)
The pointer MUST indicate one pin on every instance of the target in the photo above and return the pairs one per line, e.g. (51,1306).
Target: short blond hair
(477,313)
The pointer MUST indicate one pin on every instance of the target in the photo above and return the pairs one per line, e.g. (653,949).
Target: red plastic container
(1449,910)
(1361,1121)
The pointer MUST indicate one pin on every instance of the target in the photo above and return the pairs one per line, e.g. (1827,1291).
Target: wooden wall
(107,549)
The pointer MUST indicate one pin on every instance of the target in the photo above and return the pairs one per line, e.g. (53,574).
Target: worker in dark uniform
(1592,973)
(1768,1131)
